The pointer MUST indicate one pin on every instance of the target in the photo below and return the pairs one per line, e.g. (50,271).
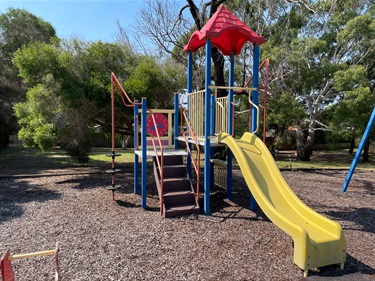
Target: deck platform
(151,153)
(213,141)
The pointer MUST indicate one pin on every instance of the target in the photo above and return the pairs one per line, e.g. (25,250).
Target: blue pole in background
(176,121)
(254,99)
(359,151)
(136,157)
(230,126)
(207,115)
(144,152)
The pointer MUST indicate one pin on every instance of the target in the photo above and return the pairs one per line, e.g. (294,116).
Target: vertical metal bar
(230,126)
(113,114)
(144,152)
(254,99)
(136,157)
(189,90)
(207,150)
(213,114)
(176,121)
(359,151)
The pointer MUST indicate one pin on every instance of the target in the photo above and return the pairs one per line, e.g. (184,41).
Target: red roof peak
(226,32)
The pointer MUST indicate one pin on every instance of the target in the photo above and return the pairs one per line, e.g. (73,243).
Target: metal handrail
(121,91)
(257,108)
(197,164)
(160,163)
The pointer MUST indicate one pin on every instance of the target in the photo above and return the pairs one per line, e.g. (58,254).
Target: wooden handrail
(198,162)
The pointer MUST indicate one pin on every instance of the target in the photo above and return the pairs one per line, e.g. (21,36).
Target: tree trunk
(216,55)
(305,143)
(219,79)
(366,149)
(352,145)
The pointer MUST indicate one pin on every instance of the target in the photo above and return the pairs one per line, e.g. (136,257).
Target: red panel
(163,142)
(7,273)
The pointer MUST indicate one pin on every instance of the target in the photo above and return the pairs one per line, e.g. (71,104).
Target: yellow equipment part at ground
(318,241)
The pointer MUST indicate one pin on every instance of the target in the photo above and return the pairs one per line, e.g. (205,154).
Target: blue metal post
(136,157)
(254,99)
(230,126)
(176,120)
(359,151)
(212,132)
(144,152)
(189,90)
(207,115)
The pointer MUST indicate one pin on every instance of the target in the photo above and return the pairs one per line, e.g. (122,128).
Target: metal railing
(129,103)
(196,162)
(196,107)
(159,162)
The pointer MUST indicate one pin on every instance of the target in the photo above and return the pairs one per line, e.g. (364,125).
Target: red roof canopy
(227,33)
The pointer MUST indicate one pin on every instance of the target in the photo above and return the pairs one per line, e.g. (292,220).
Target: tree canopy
(17,28)
(76,76)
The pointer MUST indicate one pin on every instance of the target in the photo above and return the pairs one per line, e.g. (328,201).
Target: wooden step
(176,184)
(176,171)
(180,210)
(172,160)
(179,197)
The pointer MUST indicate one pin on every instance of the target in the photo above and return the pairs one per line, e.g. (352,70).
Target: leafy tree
(316,42)
(350,116)
(76,75)
(17,28)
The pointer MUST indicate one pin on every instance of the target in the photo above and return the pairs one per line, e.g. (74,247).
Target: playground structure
(318,241)
(7,273)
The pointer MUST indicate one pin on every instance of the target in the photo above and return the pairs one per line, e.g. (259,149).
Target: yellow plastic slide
(318,241)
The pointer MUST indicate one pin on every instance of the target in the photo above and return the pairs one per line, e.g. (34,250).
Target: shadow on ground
(15,193)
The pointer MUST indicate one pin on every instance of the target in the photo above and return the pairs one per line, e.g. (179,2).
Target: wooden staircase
(178,193)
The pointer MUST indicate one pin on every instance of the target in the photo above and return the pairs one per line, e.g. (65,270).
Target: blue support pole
(144,152)
(359,151)
(207,115)
(212,132)
(189,90)
(136,157)
(254,99)
(230,126)
(176,120)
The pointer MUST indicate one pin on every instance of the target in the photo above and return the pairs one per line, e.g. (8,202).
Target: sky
(89,20)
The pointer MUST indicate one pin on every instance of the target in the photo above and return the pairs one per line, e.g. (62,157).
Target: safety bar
(7,272)
(196,163)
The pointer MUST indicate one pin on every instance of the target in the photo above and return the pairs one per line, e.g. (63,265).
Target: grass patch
(57,158)
(98,156)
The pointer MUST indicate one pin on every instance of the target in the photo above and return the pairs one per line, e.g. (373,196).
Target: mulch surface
(101,239)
